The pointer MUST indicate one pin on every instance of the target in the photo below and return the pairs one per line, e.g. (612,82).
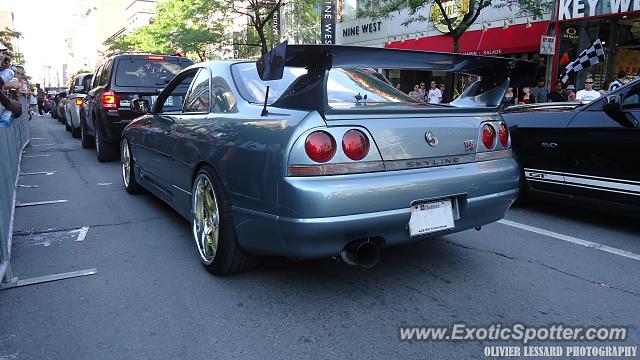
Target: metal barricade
(13,140)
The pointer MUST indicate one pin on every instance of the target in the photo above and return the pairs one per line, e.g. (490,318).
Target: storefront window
(620,36)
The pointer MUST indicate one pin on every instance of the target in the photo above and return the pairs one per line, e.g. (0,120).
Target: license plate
(168,102)
(431,217)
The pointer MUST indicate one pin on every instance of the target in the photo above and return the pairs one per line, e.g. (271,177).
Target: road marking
(38,173)
(573,240)
(19,204)
(44,145)
(32,156)
(103,184)
(82,233)
(38,139)
(28,186)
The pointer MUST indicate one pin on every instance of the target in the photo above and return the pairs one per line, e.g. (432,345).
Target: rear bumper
(320,215)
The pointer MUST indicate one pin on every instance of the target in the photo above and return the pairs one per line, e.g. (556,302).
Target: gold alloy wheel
(126,163)
(206,216)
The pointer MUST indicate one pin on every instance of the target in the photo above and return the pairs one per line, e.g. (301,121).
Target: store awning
(495,41)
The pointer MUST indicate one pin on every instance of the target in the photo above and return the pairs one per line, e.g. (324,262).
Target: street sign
(547,45)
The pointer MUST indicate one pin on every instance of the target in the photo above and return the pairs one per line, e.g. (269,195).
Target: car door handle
(549,145)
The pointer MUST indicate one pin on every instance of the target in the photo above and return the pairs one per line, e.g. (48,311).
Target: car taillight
(320,146)
(355,144)
(488,136)
(503,134)
(153,57)
(79,102)
(109,100)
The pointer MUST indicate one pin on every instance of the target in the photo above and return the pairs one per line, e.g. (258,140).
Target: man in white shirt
(435,95)
(588,94)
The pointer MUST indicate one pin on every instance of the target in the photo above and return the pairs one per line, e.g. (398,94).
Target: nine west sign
(575,9)
(362,29)
(328,22)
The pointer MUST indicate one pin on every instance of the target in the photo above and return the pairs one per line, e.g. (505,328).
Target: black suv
(119,80)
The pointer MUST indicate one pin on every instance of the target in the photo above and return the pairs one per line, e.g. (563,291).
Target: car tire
(87,140)
(106,152)
(128,169)
(213,228)
(75,132)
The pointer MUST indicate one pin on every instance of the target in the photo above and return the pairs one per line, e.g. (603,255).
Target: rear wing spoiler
(309,90)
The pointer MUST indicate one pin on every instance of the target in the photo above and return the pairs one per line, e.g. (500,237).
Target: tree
(194,27)
(260,13)
(456,27)
(7,36)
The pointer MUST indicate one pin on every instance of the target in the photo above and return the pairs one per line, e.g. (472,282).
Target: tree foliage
(418,8)
(7,36)
(260,14)
(194,27)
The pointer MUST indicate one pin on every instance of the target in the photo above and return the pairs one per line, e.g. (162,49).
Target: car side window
(632,99)
(106,72)
(96,78)
(175,94)
(86,82)
(198,99)
(223,100)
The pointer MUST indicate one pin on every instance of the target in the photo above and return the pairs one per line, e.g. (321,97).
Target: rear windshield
(343,86)
(147,72)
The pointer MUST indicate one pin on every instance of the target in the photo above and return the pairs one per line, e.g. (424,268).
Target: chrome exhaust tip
(363,253)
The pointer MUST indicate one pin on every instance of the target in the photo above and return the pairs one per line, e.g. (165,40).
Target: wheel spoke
(205,219)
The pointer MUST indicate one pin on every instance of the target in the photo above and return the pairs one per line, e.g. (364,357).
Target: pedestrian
(618,81)
(588,94)
(445,97)
(40,98)
(558,95)
(435,95)
(397,86)
(540,93)
(527,97)
(416,92)
(423,92)
(509,97)
(33,103)
(22,78)
(571,93)
(5,100)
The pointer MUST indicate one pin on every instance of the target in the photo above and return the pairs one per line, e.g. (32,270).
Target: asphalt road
(151,298)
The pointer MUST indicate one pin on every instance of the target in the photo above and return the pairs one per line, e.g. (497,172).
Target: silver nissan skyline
(307,153)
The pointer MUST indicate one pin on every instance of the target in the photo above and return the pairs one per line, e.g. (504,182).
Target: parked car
(119,80)
(56,99)
(581,152)
(336,163)
(77,92)
(62,118)
(48,103)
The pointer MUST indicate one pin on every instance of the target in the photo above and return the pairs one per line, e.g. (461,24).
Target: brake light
(355,144)
(109,100)
(79,102)
(503,134)
(488,136)
(152,57)
(320,146)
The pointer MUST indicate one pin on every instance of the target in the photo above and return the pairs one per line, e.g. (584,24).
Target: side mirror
(140,106)
(612,103)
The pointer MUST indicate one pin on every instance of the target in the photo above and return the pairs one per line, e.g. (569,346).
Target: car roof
(146,55)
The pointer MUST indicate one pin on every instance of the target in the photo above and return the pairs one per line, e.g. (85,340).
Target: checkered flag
(590,56)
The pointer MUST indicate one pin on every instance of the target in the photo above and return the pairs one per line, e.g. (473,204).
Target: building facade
(616,23)
(496,31)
